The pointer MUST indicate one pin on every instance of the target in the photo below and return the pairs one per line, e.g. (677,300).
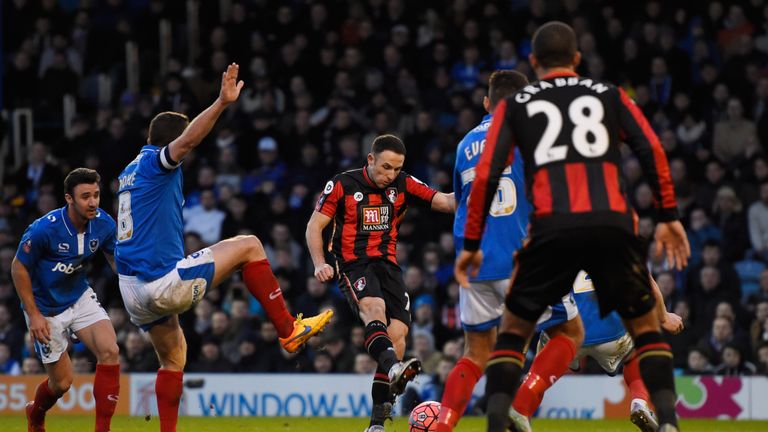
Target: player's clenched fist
(324,272)
(230,86)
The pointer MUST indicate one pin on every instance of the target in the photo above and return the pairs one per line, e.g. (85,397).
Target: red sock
(45,398)
(548,366)
(106,390)
(168,390)
(634,380)
(458,392)
(260,281)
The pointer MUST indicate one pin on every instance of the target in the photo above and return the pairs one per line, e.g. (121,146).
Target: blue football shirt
(150,238)
(508,218)
(596,330)
(54,254)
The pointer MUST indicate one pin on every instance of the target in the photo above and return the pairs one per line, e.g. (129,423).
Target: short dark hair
(503,83)
(80,176)
(387,142)
(166,127)
(554,44)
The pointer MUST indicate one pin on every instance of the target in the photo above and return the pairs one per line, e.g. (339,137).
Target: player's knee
(372,310)
(252,247)
(174,361)
(61,385)
(577,338)
(477,355)
(478,347)
(576,334)
(109,355)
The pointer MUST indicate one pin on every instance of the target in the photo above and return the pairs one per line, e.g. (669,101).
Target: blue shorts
(558,313)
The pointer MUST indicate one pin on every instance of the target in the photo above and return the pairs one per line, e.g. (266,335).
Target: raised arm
(202,124)
(315,227)
(38,325)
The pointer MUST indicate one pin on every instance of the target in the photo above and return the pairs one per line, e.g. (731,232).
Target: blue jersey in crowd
(150,238)
(508,218)
(596,330)
(54,254)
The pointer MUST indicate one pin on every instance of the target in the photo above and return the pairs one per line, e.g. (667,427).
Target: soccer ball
(424,417)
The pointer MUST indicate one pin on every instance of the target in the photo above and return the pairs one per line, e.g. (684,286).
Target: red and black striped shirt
(365,217)
(568,129)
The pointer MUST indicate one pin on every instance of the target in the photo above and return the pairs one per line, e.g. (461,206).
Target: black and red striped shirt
(365,217)
(568,129)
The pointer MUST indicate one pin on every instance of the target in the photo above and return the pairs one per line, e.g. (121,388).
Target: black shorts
(546,267)
(378,278)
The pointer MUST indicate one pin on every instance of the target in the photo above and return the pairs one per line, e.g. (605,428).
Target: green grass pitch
(274,424)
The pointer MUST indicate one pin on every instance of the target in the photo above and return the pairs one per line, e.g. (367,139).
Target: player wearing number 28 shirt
(568,130)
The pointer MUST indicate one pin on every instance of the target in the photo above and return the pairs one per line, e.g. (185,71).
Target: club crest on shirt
(63,247)
(358,196)
(360,284)
(392,194)
(93,245)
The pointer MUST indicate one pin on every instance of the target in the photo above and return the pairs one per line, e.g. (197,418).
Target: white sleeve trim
(165,159)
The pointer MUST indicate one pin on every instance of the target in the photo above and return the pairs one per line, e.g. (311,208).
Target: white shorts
(609,355)
(482,304)
(85,312)
(150,303)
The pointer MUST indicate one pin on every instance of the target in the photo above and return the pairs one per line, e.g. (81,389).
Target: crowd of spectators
(324,77)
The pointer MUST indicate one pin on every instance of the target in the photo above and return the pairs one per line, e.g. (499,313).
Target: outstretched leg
(549,365)
(247,253)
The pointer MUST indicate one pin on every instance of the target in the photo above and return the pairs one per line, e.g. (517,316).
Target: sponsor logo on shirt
(66,268)
(63,247)
(375,218)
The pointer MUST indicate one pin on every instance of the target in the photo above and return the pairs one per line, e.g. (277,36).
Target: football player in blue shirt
(481,304)
(156,281)
(607,342)
(49,275)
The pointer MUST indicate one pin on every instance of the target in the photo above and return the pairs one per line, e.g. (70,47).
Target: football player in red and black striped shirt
(366,206)
(569,129)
